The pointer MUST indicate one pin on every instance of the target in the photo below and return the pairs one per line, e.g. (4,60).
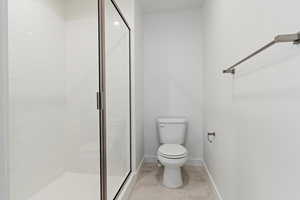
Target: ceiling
(151,6)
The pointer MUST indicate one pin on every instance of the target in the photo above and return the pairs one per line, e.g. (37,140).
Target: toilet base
(172,177)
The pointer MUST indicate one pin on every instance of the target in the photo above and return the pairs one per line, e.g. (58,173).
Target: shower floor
(196,185)
(76,186)
(71,186)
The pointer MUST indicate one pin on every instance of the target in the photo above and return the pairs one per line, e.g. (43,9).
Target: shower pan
(63,141)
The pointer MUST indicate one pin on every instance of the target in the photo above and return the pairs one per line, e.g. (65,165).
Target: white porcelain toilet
(172,154)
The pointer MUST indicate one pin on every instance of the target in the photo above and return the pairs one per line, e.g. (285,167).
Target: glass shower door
(117,85)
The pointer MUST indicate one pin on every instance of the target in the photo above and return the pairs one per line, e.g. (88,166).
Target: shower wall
(53,79)
(81,50)
(37,95)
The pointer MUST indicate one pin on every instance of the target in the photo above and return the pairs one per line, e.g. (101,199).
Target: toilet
(171,153)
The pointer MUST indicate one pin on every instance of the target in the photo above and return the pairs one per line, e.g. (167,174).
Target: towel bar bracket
(288,38)
(231,71)
(297,41)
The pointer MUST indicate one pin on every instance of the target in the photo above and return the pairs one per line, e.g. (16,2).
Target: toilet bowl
(172,157)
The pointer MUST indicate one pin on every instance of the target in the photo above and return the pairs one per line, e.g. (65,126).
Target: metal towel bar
(295,38)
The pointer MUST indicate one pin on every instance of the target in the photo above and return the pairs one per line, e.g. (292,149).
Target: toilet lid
(172,150)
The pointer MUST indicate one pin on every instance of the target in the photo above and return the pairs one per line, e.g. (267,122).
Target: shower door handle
(99,96)
(98,100)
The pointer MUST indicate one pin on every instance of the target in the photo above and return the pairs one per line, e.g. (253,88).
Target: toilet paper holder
(210,135)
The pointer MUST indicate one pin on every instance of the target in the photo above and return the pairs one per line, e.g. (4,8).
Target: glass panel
(53,79)
(117,100)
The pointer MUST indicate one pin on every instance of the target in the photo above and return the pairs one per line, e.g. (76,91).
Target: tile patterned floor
(196,185)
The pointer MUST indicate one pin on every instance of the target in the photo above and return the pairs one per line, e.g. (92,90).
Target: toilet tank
(172,130)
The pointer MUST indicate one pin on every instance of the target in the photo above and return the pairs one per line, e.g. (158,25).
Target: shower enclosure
(69,100)
(118,99)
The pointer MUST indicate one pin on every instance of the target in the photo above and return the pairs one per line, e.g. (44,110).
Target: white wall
(37,74)
(152,6)
(139,82)
(81,50)
(173,74)
(256,113)
(3,102)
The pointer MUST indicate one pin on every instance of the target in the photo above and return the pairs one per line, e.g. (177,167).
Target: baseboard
(195,162)
(128,188)
(212,182)
(138,170)
(191,161)
(150,159)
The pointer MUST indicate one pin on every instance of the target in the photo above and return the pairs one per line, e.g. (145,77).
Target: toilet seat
(172,151)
